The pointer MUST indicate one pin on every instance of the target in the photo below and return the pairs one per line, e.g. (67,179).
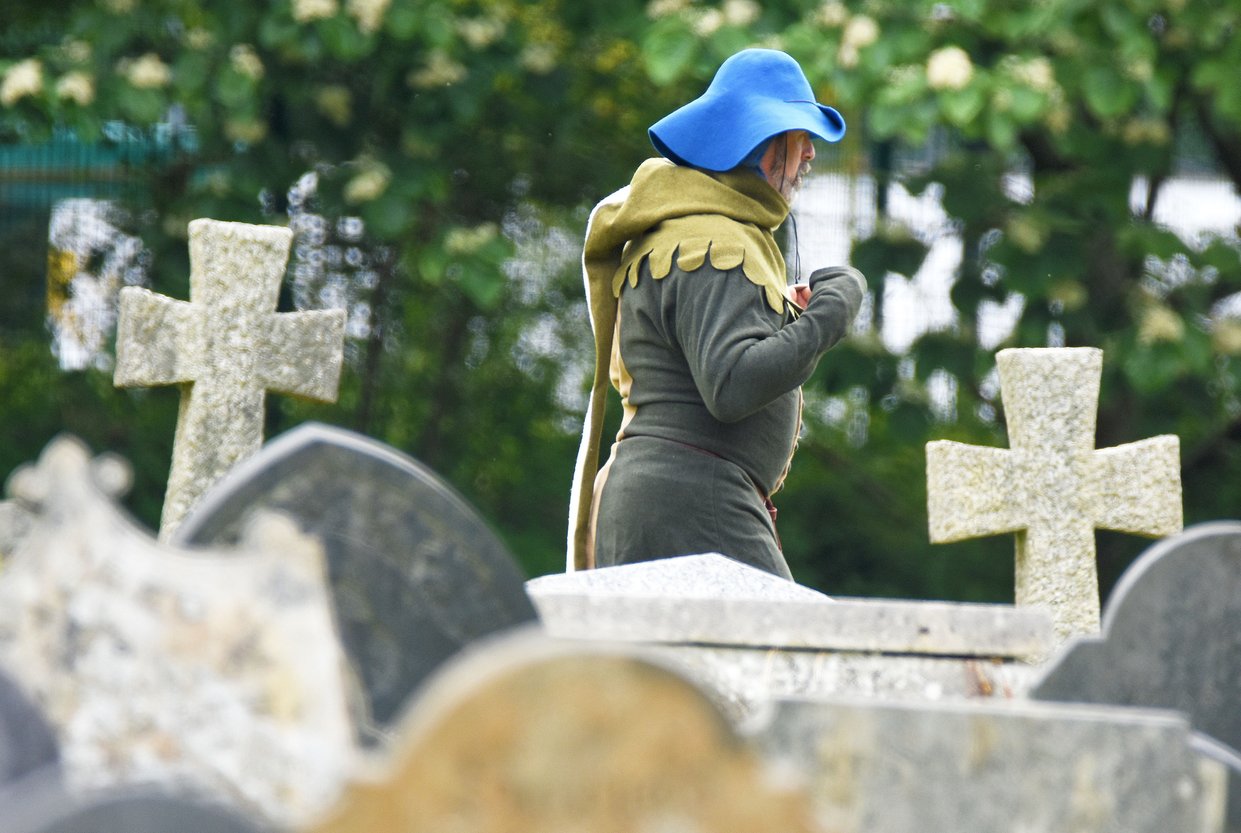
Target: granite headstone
(27,740)
(1171,639)
(416,574)
(121,812)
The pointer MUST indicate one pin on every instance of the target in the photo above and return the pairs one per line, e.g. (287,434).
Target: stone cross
(1052,487)
(226,347)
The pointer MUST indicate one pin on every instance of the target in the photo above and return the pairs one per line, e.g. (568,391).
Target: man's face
(787,161)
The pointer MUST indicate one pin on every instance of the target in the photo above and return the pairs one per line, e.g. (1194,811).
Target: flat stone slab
(736,605)
(987,767)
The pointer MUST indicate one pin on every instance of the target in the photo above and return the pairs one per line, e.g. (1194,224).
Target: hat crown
(755,94)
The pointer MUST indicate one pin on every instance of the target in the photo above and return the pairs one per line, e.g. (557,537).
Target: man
(697,329)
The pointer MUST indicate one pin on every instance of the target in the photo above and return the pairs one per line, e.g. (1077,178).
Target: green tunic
(709,360)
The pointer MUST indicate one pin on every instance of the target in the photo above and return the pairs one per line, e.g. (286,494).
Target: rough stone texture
(211,669)
(15,523)
(526,736)
(1170,640)
(982,768)
(416,573)
(751,637)
(226,347)
(1052,488)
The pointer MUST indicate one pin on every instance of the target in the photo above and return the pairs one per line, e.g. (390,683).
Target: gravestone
(27,741)
(527,736)
(1171,639)
(1052,488)
(219,670)
(120,812)
(751,637)
(982,767)
(226,348)
(415,573)
(15,522)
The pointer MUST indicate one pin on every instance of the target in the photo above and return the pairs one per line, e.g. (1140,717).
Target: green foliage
(461,131)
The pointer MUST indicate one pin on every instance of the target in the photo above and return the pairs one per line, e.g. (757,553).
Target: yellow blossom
(1160,323)
(147,72)
(440,71)
(199,38)
(246,61)
(369,184)
(1036,73)
(539,58)
(306,11)
(369,13)
(78,87)
(1226,336)
(245,131)
(480,32)
(77,51)
(1070,294)
(464,241)
(336,103)
(949,68)
(120,6)
(20,80)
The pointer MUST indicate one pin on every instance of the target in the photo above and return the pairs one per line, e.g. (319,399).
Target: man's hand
(799,294)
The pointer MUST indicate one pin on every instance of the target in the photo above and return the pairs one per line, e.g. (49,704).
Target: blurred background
(1016,174)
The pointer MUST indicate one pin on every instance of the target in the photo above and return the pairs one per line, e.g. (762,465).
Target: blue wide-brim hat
(756,94)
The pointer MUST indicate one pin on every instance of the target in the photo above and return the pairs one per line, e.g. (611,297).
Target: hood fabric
(667,212)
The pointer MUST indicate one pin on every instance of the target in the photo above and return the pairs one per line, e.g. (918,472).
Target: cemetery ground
(327,638)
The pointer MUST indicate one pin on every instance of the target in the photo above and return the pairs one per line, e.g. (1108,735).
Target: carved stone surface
(1052,488)
(15,523)
(119,812)
(982,767)
(416,574)
(524,736)
(1170,640)
(226,347)
(216,670)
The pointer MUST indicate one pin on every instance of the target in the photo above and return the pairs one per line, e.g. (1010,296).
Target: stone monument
(416,574)
(1052,488)
(214,671)
(524,735)
(226,347)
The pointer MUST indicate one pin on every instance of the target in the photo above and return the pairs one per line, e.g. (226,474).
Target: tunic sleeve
(741,353)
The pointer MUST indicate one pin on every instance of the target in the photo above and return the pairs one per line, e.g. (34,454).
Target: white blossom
(78,87)
(664,8)
(832,14)
(480,32)
(305,11)
(741,12)
(539,58)
(708,23)
(20,80)
(1160,323)
(246,61)
(369,13)
(336,102)
(440,71)
(860,32)
(1036,73)
(147,72)
(949,68)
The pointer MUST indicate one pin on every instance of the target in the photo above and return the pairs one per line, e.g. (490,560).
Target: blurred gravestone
(15,522)
(218,670)
(27,742)
(226,348)
(415,573)
(527,736)
(119,812)
(1171,639)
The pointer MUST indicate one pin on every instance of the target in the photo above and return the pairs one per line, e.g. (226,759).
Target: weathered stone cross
(226,347)
(1052,487)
